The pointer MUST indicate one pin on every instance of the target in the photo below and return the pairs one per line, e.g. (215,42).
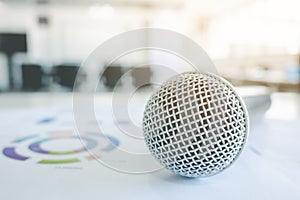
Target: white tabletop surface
(269,167)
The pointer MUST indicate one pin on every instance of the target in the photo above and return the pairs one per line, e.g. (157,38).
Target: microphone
(196,124)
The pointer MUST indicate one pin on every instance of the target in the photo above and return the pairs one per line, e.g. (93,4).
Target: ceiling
(198,7)
(146,3)
(201,4)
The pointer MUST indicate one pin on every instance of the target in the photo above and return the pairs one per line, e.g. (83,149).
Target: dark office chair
(141,76)
(112,75)
(65,75)
(32,77)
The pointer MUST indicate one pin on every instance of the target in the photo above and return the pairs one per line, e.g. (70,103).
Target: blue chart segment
(22,139)
(46,120)
(90,141)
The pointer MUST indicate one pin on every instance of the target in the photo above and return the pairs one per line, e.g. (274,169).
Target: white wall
(73,32)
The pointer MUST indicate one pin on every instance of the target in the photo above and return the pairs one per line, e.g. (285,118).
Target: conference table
(41,157)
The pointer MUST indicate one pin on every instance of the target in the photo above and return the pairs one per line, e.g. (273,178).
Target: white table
(269,167)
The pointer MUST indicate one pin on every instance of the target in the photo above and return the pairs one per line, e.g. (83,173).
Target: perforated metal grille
(195,124)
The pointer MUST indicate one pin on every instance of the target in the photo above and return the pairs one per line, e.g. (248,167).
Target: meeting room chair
(141,76)
(32,77)
(111,76)
(65,75)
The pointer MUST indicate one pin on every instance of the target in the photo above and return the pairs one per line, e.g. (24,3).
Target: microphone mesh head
(195,124)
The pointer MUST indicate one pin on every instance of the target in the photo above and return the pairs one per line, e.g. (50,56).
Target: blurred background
(255,44)
(43,42)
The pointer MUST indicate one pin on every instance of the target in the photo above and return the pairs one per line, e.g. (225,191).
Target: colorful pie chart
(89,142)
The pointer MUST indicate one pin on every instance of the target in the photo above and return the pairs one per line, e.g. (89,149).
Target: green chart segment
(63,161)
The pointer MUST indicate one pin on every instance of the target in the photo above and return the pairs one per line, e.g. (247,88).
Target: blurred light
(260,28)
(171,19)
(167,14)
(101,11)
